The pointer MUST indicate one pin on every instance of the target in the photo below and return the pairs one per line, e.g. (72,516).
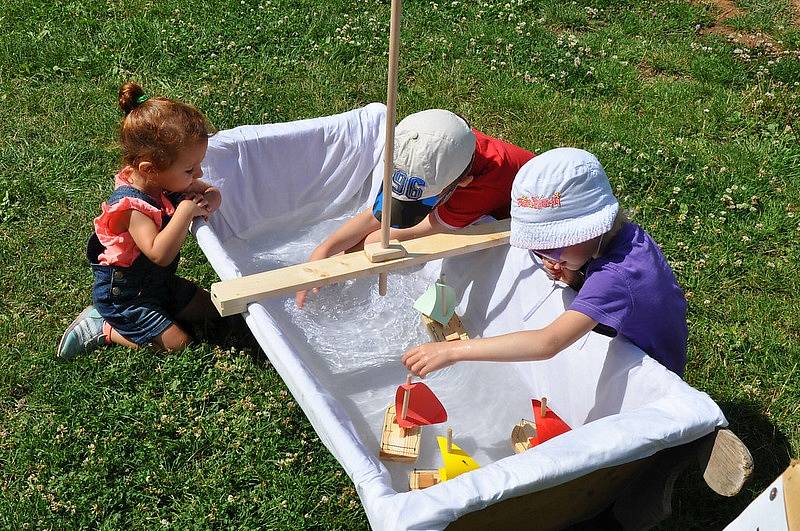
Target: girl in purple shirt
(563,210)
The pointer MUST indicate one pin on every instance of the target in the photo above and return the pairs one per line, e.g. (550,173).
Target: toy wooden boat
(417,406)
(452,331)
(527,434)
(438,302)
(456,462)
(398,444)
(548,424)
(521,434)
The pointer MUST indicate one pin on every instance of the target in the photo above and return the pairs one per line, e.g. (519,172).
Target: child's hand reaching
(197,203)
(428,357)
(211,198)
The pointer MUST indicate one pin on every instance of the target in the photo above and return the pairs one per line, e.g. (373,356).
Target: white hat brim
(564,232)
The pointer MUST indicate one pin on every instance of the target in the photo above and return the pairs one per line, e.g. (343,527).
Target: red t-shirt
(493,170)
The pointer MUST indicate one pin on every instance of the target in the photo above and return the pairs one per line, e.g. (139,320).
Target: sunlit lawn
(698,134)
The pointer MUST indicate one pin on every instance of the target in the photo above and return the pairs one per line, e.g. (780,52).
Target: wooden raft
(232,296)
(521,435)
(422,479)
(452,332)
(398,444)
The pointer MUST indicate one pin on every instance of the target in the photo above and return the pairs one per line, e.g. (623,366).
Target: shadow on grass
(232,332)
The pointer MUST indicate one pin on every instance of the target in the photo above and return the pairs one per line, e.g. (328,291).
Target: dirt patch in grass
(749,40)
(726,10)
(650,72)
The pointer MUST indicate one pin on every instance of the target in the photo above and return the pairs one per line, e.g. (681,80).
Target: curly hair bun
(128,94)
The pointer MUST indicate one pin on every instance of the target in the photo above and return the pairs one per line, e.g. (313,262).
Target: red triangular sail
(423,406)
(548,426)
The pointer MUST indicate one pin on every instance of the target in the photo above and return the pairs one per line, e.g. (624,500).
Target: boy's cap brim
(406,214)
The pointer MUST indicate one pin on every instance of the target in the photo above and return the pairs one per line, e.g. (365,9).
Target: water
(353,339)
(348,324)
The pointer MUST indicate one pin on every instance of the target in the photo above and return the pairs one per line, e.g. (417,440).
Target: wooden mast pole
(385,251)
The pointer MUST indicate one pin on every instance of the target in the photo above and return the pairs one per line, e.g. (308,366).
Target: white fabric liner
(278,182)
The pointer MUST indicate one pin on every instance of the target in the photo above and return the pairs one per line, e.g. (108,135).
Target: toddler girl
(563,210)
(134,251)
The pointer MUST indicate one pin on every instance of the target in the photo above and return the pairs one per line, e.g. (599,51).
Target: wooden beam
(232,296)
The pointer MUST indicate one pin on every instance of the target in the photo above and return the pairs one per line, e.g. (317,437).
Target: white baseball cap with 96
(432,148)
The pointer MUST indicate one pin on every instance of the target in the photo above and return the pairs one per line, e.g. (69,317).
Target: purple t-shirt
(632,289)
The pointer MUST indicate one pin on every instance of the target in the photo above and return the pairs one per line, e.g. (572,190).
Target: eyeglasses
(554,255)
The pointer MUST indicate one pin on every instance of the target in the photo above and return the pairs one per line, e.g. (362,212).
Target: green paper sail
(438,302)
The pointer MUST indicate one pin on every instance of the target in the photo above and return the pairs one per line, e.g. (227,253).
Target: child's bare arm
(348,237)
(162,246)
(517,346)
(429,225)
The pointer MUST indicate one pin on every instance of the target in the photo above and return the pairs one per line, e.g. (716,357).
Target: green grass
(698,135)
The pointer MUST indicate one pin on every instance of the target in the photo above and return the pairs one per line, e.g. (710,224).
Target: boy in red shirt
(446,176)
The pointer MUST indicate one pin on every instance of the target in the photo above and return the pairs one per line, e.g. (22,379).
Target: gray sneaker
(83,335)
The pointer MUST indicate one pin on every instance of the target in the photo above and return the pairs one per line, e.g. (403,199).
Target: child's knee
(173,338)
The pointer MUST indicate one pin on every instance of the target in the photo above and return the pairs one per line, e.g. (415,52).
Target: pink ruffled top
(120,249)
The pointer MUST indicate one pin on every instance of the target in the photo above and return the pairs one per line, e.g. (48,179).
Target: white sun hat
(432,148)
(561,198)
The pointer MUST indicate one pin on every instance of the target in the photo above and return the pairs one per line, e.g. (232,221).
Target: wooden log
(232,296)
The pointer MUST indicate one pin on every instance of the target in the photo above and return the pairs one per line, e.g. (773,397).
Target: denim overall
(140,301)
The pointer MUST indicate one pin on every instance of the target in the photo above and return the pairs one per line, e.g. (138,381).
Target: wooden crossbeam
(232,296)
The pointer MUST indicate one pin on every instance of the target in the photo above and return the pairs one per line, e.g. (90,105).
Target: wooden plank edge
(791,495)
(232,296)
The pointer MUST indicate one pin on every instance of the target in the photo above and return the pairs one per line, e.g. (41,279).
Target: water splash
(353,327)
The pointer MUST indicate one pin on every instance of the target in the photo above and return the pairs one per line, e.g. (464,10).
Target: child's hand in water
(300,297)
(428,357)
